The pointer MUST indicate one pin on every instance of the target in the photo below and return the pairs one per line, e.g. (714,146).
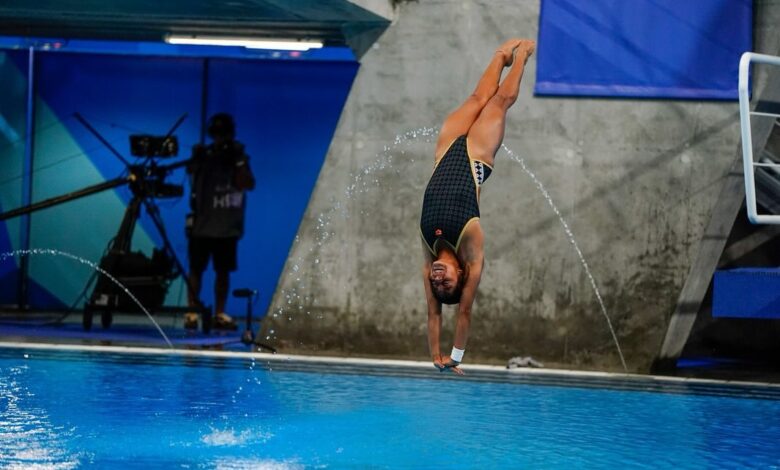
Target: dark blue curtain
(642,48)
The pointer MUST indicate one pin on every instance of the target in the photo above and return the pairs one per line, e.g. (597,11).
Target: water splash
(53,252)
(30,439)
(231,437)
(238,463)
(293,299)
(516,158)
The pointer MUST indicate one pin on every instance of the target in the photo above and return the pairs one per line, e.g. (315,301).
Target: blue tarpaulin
(642,48)
(746,293)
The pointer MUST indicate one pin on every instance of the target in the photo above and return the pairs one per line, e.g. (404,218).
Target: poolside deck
(126,330)
(136,331)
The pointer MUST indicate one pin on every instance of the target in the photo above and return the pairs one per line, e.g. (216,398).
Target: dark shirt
(217,203)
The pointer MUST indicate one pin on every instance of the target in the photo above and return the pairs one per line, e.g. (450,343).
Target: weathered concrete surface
(635,180)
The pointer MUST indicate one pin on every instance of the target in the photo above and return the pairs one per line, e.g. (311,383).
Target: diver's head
(447,279)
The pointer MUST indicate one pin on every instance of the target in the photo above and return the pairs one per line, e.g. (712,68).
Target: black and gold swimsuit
(451,200)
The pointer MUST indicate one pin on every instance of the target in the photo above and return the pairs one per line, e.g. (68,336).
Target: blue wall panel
(118,96)
(286,112)
(642,48)
(13,115)
(746,293)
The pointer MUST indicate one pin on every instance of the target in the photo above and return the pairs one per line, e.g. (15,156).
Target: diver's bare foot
(508,51)
(526,48)
(510,48)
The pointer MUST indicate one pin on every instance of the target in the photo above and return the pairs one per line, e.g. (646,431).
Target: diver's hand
(444,363)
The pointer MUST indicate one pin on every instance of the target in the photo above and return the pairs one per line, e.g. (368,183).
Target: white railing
(747,142)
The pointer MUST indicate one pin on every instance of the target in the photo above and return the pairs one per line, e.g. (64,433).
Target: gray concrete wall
(635,181)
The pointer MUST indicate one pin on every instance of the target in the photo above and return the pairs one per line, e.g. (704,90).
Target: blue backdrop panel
(286,113)
(13,117)
(746,293)
(642,48)
(118,96)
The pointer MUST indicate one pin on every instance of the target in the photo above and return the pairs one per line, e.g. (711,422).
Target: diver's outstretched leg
(460,121)
(487,132)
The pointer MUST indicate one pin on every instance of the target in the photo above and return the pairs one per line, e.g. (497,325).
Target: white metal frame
(747,140)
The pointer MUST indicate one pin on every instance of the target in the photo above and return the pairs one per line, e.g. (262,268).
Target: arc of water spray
(569,233)
(49,251)
(359,185)
(433,131)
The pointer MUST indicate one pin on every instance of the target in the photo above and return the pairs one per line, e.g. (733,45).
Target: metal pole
(27,181)
(28,209)
(204,96)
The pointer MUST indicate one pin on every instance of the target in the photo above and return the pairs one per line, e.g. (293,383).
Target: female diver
(449,225)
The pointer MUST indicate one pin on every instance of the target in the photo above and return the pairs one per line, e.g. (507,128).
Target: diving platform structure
(733,287)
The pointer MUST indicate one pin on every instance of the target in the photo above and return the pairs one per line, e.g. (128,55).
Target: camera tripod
(147,279)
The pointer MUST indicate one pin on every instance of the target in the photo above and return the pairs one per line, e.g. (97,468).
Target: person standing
(220,176)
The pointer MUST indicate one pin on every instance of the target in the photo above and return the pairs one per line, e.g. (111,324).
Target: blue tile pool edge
(408,369)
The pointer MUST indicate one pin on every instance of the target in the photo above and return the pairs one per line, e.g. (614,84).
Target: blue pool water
(64,409)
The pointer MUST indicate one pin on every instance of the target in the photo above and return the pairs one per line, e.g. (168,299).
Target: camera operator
(219,177)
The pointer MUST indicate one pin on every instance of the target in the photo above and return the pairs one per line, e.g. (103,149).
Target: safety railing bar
(761,113)
(770,156)
(747,143)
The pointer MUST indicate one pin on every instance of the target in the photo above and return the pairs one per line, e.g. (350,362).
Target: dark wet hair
(451,298)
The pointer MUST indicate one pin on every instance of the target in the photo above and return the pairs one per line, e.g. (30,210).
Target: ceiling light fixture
(249,43)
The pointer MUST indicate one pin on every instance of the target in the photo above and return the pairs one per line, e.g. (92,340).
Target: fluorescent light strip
(274,44)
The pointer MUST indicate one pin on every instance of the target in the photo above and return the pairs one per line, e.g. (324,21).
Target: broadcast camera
(147,278)
(144,145)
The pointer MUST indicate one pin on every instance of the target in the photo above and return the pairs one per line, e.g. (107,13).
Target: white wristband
(457,354)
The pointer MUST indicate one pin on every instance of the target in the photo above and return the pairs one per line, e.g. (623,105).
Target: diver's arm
(473,255)
(463,322)
(434,329)
(434,308)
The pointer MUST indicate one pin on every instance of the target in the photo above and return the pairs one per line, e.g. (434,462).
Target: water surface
(74,410)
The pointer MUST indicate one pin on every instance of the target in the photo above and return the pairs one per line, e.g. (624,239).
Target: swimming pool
(105,408)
